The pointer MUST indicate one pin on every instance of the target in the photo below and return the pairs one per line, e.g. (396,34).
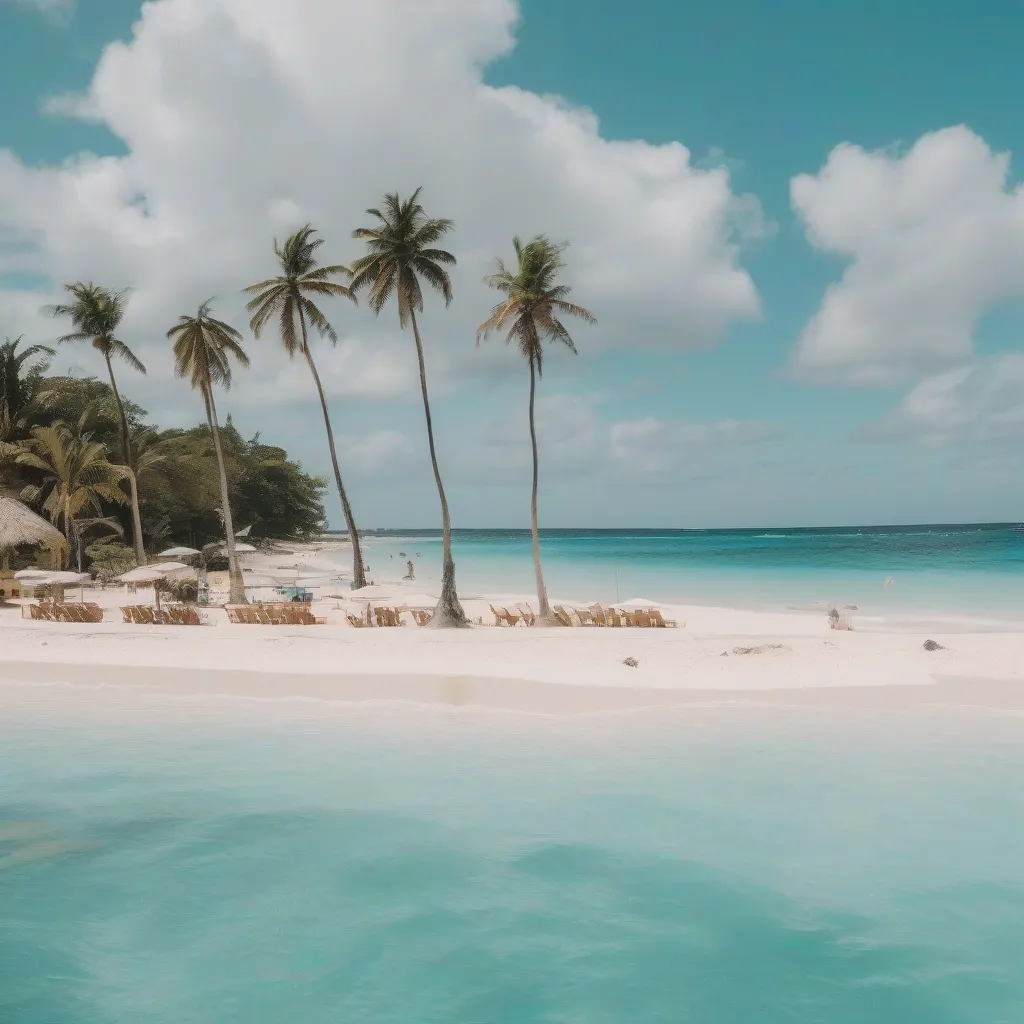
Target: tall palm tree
(529,312)
(203,349)
(77,478)
(286,298)
(402,249)
(96,314)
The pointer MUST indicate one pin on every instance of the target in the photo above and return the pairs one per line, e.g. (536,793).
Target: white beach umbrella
(143,574)
(240,549)
(180,552)
(157,571)
(48,577)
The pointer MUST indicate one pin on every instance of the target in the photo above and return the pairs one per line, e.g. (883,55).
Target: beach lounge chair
(612,617)
(584,616)
(562,617)
(422,617)
(93,612)
(526,613)
(511,618)
(657,620)
(355,621)
(499,617)
(641,619)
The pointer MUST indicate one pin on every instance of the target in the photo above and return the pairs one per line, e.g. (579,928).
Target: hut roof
(20,525)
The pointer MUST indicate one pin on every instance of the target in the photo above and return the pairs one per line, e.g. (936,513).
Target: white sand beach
(714,655)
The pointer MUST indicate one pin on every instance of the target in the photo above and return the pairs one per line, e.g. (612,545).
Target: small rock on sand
(931,645)
(631,662)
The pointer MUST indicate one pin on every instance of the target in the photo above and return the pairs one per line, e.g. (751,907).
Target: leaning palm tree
(76,478)
(529,313)
(96,314)
(402,249)
(284,299)
(203,349)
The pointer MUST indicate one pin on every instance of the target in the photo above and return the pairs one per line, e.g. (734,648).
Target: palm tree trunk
(545,616)
(448,612)
(358,572)
(126,455)
(237,583)
(71,533)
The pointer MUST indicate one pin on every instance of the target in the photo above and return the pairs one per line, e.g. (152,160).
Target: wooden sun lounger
(526,614)
(422,617)
(605,616)
(657,620)
(355,621)
(562,617)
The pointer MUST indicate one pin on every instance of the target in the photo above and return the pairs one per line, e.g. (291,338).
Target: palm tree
(19,384)
(401,251)
(77,478)
(96,314)
(287,297)
(203,348)
(529,312)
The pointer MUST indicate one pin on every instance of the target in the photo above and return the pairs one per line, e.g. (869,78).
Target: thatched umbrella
(20,525)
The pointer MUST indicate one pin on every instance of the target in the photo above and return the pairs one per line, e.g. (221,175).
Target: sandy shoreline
(49,681)
(717,655)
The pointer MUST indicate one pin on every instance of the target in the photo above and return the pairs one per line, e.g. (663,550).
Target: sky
(799,226)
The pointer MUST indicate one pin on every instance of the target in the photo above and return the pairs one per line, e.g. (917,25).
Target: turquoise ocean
(973,568)
(177,864)
(228,861)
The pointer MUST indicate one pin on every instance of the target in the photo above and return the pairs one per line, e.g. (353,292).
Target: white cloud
(661,446)
(983,402)
(935,237)
(57,10)
(243,117)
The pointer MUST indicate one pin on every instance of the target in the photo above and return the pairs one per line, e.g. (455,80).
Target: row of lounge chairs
(595,615)
(147,615)
(290,614)
(51,611)
(383,616)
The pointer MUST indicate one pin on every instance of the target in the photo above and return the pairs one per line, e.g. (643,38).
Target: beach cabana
(21,527)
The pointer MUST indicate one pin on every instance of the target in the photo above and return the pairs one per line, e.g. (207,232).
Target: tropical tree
(76,479)
(96,314)
(20,379)
(529,313)
(286,299)
(203,349)
(403,249)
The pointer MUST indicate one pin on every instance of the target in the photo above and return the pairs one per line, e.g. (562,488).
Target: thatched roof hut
(20,525)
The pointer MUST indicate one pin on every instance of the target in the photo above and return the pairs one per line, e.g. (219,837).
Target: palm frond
(123,352)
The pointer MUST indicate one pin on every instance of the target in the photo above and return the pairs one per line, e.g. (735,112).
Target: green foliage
(20,376)
(179,487)
(110,557)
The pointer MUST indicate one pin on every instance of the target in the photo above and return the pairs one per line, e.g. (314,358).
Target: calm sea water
(403,865)
(974,567)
